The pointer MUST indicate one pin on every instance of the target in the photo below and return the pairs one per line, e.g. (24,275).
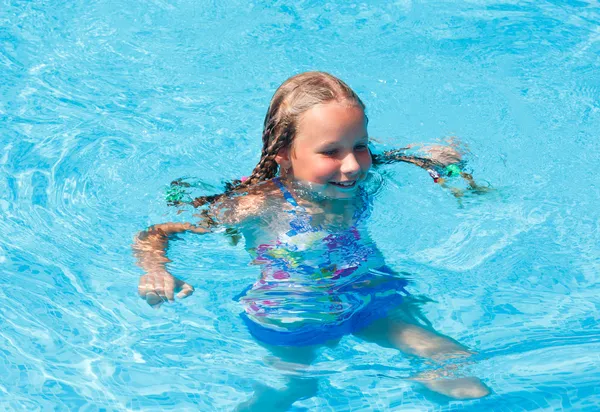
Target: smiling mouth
(344,185)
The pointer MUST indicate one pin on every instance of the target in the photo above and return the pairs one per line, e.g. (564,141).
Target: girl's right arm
(150,247)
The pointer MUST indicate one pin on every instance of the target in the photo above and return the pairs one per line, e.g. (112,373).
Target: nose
(350,165)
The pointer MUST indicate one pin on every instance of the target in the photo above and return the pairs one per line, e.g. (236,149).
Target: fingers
(142,289)
(157,288)
(185,289)
(147,290)
(164,285)
(169,288)
(158,285)
(154,300)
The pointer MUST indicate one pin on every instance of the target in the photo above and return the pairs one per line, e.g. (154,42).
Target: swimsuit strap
(359,214)
(301,222)
(286,193)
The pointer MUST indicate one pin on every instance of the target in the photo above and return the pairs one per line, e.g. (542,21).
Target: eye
(361,147)
(331,152)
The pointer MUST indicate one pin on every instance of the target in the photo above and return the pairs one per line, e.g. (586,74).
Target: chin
(336,193)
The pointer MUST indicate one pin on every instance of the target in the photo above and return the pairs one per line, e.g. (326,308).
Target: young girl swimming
(302,213)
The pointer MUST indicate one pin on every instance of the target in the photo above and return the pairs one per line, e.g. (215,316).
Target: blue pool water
(103,103)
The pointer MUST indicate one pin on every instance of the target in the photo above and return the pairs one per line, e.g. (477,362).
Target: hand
(443,155)
(159,286)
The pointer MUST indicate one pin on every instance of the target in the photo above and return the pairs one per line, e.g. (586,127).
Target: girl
(302,213)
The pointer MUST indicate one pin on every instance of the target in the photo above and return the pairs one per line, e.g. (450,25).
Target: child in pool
(302,213)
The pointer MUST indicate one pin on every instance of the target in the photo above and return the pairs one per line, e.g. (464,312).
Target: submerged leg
(292,362)
(418,341)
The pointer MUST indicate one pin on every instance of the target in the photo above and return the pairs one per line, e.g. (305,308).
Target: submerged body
(319,279)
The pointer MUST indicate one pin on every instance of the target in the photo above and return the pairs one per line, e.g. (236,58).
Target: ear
(283,158)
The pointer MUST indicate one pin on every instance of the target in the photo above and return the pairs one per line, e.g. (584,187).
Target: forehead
(333,120)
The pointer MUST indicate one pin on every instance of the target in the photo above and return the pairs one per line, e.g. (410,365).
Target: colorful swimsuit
(315,284)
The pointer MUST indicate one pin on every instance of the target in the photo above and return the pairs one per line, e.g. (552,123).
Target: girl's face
(330,149)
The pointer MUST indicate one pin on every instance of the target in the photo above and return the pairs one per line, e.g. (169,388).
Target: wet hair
(294,97)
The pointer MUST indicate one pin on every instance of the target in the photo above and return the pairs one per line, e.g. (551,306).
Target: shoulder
(245,204)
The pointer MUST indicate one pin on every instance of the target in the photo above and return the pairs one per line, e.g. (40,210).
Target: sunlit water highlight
(103,103)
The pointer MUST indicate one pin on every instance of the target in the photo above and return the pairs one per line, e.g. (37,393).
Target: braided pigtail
(267,167)
(294,97)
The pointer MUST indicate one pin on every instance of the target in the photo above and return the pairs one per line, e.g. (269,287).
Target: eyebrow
(333,142)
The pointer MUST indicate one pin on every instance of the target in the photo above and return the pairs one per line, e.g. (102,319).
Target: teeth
(345,183)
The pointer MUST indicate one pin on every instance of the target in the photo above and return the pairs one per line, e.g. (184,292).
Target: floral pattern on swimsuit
(310,275)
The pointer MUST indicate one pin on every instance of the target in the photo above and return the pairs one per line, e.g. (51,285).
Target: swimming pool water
(103,103)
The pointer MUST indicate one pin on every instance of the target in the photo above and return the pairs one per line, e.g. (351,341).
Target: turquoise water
(103,103)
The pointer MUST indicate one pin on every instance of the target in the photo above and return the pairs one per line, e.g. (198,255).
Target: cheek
(325,167)
(319,170)
(364,159)
(316,169)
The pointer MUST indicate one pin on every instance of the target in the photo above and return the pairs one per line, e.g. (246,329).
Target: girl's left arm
(426,157)
(440,161)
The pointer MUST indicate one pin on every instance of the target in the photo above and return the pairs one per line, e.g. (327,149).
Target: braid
(265,169)
(267,166)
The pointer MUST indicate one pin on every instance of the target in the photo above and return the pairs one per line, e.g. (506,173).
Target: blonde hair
(295,96)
